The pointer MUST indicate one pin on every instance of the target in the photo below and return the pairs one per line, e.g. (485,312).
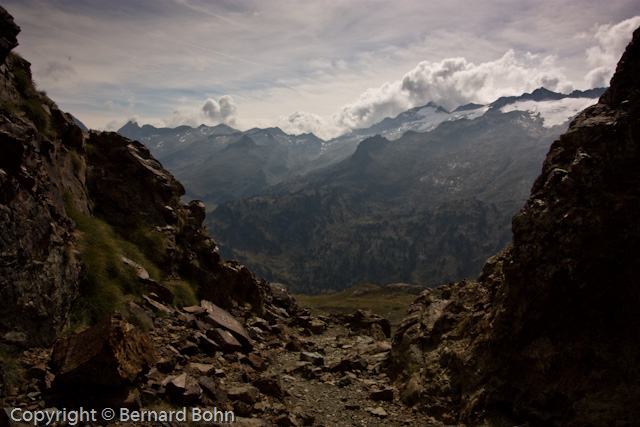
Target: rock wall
(548,334)
(39,272)
(46,160)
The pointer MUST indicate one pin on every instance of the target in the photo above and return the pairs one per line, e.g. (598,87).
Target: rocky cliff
(548,333)
(53,179)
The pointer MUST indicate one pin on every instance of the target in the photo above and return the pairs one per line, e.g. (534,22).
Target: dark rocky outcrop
(548,334)
(8,32)
(39,272)
(50,170)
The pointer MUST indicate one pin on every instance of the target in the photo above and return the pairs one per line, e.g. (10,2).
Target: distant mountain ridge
(218,164)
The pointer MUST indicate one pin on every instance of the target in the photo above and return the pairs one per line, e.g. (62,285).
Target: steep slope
(426,208)
(548,334)
(81,212)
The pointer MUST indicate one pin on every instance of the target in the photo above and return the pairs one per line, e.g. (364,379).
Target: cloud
(303,122)
(612,40)
(448,83)
(212,112)
(222,111)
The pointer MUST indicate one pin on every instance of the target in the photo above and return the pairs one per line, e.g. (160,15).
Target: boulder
(368,322)
(111,353)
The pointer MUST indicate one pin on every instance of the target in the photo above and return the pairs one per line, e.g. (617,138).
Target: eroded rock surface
(548,333)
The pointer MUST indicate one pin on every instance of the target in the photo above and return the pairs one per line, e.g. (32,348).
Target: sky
(325,67)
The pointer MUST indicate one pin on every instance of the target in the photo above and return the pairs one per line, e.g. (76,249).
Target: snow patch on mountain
(552,112)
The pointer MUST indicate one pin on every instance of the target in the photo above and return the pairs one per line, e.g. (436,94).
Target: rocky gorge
(113,294)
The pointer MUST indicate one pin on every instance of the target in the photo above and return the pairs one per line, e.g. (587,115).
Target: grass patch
(106,278)
(184,293)
(13,371)
(34,111)
(381,300)
(150,242)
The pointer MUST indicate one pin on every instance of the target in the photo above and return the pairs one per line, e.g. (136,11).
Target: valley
(422,198)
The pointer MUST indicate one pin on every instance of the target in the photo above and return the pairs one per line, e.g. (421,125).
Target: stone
(368,322)
(293,344)
(385,394)
(227,342)
(283,299)
(111,353)
(221,318)
(269,385)
(144,317)
(345,381)
(246,393)
(379,412)
(314,358)
(317,326)
(205,369)
(208,385)
(256,362)
(285,420)
(189,348)
(182,389)
(157,306)
(196,310)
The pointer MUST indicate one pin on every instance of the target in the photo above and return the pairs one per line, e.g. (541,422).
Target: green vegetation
(383,301)
(34,111)
(13,371)
(30,99)
(108,283)
(106,278)
(184,293)
(151,243)
(77,162)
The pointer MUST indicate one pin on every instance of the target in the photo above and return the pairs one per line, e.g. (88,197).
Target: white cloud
(318,57)
(612,40)
(302,122)
(212,112)
(222,111)
(448,83)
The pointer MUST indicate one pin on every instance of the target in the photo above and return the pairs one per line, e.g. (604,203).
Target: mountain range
(218,164)
(426,208)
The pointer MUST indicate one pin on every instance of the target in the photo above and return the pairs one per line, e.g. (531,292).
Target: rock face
(39,273)
(48,167)
(548,334)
